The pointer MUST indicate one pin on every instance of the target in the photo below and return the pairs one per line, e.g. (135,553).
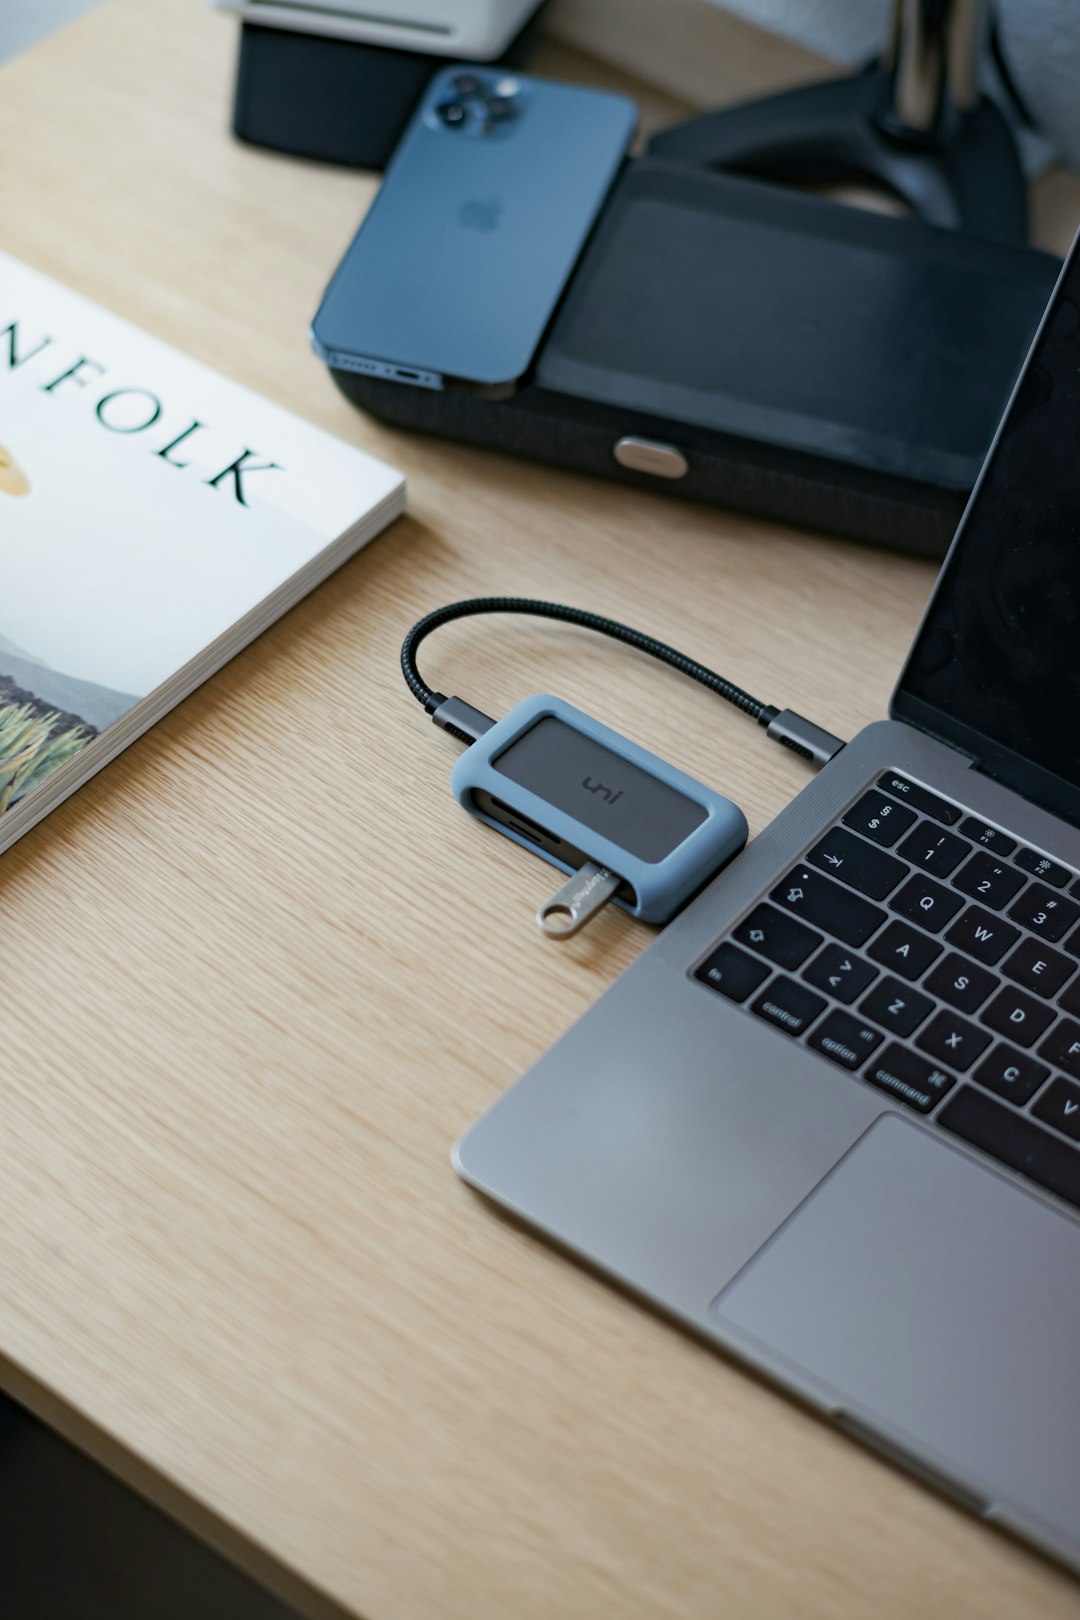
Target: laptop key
(878,817)
(733,972)
(1014,1140)
(859,864)
(1059,1106)
(985,879)
(824,904)
(774,934)
(1041,866)
(1062,1047)
(789,1005)
(934,851)
(989,837)
(905,950)
(1069,1000)
(921,798)
(914,1079)
(841,973)
(1017,1015)
(1011,1073)
(923,901)
(952,1040)
(963,984)
(1038,968)
(896,1007)
(1044,912)
(845,1038)
(982,935)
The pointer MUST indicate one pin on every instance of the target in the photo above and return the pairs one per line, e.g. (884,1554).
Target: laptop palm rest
(940,1302)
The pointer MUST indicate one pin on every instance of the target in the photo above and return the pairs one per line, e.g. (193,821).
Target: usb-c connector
(792,731)
(461,720)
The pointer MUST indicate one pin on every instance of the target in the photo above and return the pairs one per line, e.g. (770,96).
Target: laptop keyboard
(935,957)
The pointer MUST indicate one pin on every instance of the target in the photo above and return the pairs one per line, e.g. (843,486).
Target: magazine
(154,518)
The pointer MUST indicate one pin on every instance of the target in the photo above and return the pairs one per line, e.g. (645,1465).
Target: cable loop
(566,615)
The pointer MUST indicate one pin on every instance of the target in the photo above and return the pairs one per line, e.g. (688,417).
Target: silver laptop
(831,1118)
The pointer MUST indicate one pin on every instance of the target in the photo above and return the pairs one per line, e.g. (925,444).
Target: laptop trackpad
(940,1303)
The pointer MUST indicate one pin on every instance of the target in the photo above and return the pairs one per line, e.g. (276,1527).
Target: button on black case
(814,363)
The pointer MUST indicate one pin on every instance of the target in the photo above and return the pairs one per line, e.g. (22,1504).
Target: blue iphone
(456,271)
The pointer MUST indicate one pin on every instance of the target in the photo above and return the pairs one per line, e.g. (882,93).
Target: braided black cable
(763,713)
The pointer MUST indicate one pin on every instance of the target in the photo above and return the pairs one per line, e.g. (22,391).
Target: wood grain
(261,972)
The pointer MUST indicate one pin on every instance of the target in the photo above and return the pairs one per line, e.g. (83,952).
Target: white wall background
(1041,40)
(839,29)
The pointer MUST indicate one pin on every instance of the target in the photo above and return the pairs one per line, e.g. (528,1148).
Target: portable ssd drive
(559,783)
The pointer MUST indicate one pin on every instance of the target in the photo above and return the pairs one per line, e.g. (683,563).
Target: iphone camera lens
(452,114)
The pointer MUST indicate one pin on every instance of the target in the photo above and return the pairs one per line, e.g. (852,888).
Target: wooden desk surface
(261,972)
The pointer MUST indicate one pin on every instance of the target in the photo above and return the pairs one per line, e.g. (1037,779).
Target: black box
(777,353)
(335,100)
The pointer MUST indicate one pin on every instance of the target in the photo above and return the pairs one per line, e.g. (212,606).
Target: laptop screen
(995,668)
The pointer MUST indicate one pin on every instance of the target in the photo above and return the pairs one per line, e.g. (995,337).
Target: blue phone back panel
(465,251)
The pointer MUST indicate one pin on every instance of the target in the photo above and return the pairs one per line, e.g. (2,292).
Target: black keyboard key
(896,1007)
(934,851)
(961,983)
(841,973)
(732,972)
(1059,1106)
(1062,1047)
(1044,912)
(1014,1140)
(878,817)
(1041,866)
(910,1077)
(905,950)
(920,798)
(789,1006)
(1069,1000)
(989,837)
(774,934)
(824,904)
(1074,889)
(1073,942)
(845,1038)
(858,864)
(1017,1015)
(952,1040)
(1038,968)
(925,902)
(1012,1074)
(987,880)
(982,935)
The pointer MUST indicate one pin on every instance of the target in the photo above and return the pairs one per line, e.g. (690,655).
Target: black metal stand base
(839,131)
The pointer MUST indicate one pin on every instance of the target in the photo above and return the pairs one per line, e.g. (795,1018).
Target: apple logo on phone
(482,213)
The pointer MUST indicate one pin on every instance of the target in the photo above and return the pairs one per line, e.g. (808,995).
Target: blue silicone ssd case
(657,881)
